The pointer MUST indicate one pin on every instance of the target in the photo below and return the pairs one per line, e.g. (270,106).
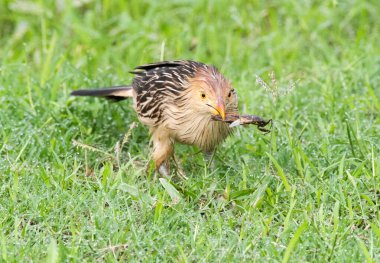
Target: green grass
(308,191)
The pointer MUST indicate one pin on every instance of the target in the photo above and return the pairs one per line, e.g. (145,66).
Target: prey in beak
(219,109)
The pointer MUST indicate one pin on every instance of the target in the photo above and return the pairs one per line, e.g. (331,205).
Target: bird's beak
(220,108)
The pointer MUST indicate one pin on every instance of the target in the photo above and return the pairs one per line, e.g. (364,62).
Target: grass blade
(280,172)
(52,252)
(170,189)
(293,241)
(365,250)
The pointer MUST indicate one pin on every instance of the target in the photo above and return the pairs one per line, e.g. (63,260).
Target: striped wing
(158,83)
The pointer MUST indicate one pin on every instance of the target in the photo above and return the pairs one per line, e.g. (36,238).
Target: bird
(177,100)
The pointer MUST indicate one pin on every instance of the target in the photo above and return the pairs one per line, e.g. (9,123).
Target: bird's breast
(200,131)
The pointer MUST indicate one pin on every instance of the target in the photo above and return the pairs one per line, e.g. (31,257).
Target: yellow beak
(220,109)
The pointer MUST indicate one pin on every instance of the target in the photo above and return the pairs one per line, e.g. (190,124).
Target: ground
(76,181)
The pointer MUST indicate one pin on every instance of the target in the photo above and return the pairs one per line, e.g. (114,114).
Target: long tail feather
(113,93)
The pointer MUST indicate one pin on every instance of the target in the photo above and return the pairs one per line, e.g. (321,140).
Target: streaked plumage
(176,99)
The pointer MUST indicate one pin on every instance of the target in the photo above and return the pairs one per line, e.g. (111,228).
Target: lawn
(76,181)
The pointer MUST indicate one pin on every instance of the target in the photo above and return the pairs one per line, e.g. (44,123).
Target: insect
(245,119)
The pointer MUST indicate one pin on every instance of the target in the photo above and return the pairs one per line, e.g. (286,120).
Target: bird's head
(212,94)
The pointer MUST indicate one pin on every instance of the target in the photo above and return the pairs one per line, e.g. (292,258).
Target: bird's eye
(230,93)
(203,96)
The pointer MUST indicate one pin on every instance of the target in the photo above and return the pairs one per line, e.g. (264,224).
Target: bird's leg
(209,158)
(162,151)
(179,168)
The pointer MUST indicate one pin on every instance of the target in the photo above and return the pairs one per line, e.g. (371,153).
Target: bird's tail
(116,93)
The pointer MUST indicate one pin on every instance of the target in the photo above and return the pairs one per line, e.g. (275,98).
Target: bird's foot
(179,169)
(209,159)
(181,173)
(164,170)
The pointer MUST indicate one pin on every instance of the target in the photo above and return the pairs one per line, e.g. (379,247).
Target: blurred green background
(308,191)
